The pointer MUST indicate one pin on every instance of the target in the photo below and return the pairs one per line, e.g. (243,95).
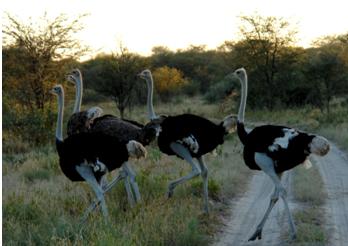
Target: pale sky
(143,24)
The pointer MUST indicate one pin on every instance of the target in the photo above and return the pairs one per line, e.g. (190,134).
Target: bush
(92,96)
(220,90)
(32,126)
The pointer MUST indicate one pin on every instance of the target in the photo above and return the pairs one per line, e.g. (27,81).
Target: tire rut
(334,171)
(248,210)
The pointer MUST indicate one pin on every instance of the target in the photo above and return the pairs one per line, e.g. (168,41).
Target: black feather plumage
(261,138)
(82,147)
(125,130)
(174,128)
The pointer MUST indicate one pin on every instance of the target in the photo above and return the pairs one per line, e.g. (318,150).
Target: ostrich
(188,136)
(88,156)
(80,121)
(274,149)
(124,130)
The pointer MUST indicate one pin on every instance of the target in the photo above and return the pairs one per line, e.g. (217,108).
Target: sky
(176,24)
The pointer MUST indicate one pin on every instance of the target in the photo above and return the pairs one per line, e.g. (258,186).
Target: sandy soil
(247,210)
(334,171)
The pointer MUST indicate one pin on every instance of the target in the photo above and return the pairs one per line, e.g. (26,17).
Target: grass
(41,207)
(308,190)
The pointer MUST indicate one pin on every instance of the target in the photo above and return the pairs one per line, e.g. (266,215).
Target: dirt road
(247,211)
(334,171)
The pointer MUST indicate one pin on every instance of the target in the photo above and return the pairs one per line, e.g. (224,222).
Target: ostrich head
(150,131)
(57,90)
(136,149)
(240,73)
(229,123)
(319,146)
(146,74)
(74,75)
(92,114)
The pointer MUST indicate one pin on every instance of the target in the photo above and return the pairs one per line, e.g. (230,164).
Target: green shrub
(220,90)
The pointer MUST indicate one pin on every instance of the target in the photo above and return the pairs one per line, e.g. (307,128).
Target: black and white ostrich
(275,149)
(88,156)
(80,121)
(189,136)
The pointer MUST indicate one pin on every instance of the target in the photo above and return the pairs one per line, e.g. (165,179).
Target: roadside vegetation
(309,194)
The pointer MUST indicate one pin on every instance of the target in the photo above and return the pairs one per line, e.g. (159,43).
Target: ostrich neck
(150,110)
(59,129)
(78,97)
(244,89)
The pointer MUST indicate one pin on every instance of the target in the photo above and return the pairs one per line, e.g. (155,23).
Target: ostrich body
(88,156)
(275,149)
(189,136)
(125,130)
(80,121)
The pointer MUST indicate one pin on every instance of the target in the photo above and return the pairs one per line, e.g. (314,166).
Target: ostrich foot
(257,234)
(293,236)
(170,193)
(170,190)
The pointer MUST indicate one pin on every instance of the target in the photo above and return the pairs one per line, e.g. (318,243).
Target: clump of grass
(13,144)
(308,186)
(308,189)
(39,174)
(338,133)
(309,226)
(214,188)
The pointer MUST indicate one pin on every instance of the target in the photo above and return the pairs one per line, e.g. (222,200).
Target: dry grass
(308,189)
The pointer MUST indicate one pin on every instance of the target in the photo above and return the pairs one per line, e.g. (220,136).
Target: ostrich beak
(70,78)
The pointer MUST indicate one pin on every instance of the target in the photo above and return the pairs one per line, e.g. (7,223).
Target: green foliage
(115,76)
(220,90)
(214,188)
(310,227)
(92,96)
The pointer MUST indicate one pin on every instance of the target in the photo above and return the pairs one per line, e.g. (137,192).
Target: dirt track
(334,171)
(247,211)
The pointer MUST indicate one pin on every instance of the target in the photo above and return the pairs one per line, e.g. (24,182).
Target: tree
(40,49)
(167,81)
(263,40)
(116,76)
(327,72)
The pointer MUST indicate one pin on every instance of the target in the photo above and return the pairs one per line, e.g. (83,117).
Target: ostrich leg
(93,206)
(131,175)
(86,172)
(185,154)
(204,175)
(267,165)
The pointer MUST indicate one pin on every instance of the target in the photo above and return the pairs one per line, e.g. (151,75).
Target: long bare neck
(150,110)
(59,129)
(78,97)
(244,91)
